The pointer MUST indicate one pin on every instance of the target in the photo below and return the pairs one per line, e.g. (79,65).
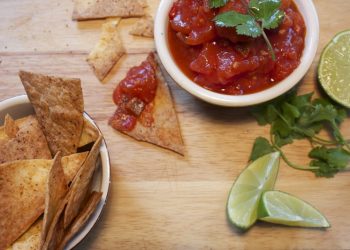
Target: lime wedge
(334,68)
(245,194)
(282,208)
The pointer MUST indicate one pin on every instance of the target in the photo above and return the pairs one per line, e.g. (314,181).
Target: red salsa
(134,95)
(218,59)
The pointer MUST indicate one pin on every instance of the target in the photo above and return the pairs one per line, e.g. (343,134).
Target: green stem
(315,137)
(269,46)
(341,138)
(295,166)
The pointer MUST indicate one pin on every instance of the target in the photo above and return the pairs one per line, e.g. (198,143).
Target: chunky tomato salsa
(218,59)
(134,95)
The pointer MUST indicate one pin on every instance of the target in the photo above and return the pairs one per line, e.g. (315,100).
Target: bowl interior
(306,8)
(19,107)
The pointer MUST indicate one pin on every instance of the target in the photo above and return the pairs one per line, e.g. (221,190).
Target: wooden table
(158,199)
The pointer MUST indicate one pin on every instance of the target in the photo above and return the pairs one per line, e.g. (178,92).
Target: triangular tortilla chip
(11,127)
(82,217)
(165,129)
(18,122)
(80,184)
(28,143)
(71,165)
(56,189)
(22,192)
(107,51)
(143,27)
(56,231)
(89,134)
(30,240)
(95,9)
(59,106)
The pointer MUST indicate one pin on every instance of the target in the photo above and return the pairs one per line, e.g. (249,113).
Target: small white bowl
(18,107)
(308,11)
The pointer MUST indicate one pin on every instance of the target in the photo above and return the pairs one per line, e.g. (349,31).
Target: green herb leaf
(267,12)
(245,24)
(217,3)
(318,114)
(250,28)
(329,160)
(261,147)
(281,128)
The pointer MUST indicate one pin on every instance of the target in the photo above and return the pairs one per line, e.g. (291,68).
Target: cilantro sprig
(261,15)
(293,117)
(217,3)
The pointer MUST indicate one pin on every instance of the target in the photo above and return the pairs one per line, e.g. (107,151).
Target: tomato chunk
(133,94)
(193,20)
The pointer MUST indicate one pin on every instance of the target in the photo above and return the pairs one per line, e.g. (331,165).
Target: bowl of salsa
(233,55)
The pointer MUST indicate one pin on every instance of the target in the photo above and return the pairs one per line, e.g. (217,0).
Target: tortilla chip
(89,134)
(22,192)
(18,122)
(30,240)
(82,217)
(143,27)
(11,128)
(59,106)
(165,129)
(71,165)
(56,232)
(107,51)
(28,143)
(56,189)
(96,9)
(80,184)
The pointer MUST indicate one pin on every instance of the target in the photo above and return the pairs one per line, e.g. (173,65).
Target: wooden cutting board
(158,199)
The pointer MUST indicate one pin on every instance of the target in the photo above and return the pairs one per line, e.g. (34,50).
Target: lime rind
(334,68)
(282,208)
(245,194)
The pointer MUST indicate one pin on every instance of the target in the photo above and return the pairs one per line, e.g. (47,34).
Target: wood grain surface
(158,199)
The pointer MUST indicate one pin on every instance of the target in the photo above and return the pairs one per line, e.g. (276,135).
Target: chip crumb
(143,27)
(97,9)
(107,51)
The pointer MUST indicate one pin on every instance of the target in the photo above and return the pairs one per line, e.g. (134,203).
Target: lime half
(245,194)
(282,208)
(334,68)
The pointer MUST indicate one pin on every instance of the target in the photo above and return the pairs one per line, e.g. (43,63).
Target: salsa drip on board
(220,60)
(134,95)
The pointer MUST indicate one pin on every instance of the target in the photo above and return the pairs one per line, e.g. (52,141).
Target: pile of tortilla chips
(45,184)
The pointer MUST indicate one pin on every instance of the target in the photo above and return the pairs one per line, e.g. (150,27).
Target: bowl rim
(308,11)
(105,172)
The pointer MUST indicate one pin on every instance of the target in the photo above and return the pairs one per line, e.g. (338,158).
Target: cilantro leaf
(282,141)
(318,114)
(217,3)
(301,101)
(268,12)
(249,28)
(329,160)
(281,128)
(261,147)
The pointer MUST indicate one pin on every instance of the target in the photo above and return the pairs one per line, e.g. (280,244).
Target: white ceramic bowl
(19,106)
(308,11)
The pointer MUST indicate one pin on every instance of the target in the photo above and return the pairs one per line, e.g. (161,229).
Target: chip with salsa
(145,109)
